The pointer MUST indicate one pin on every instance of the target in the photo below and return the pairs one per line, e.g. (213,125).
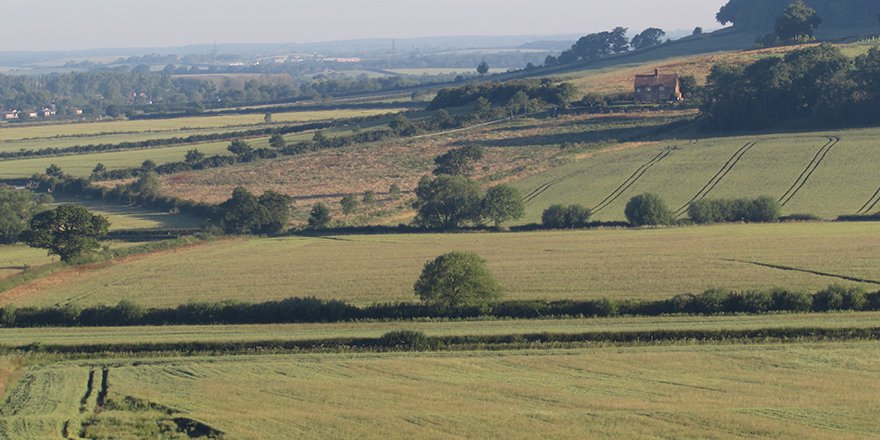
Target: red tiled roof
(668,81)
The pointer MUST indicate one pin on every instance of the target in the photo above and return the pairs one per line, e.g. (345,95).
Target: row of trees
(818,84)
(519,92)
(598,45)
(140,90)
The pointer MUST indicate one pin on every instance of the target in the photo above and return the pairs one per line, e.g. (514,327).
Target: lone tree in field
(457,279)
(648,209)
(67,231)
(483,68)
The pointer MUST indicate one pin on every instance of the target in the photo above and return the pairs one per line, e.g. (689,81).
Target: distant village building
(657,87)
(10,115)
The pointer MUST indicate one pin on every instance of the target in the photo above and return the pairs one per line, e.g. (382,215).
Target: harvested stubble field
(639,264)
(810,390)
(17,337)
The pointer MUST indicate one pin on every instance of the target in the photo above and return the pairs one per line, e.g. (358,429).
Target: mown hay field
(363,269)
(296,332)
(822,173)
(809,390)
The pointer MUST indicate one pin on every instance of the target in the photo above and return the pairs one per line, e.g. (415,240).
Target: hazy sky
(89,24)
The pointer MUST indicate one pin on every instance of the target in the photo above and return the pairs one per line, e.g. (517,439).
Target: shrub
(756,301)
(648,209)
(711,301)
(561,217)
(830,298)
(791,301)
(764,209)
(604,307)
(406,340)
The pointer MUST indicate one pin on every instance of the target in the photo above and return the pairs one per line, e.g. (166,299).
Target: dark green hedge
(303,310)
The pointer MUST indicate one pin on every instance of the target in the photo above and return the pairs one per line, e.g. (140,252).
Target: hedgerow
(309,310)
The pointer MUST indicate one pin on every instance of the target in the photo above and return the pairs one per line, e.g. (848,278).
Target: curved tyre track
(870,204)
(631,180)
(710,185)
(808,171)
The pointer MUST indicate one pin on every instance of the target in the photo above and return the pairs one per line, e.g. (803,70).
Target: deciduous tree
(647,38)
(502,203)
(349,204)
(447,202)
(17,207)
(319,217)
(648,209)
(459,161)
(457,279)
(67,231)
(483,68)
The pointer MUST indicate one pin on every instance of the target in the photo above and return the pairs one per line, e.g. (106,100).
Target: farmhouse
(657,87)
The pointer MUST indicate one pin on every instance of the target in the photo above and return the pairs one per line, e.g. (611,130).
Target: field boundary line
(808,171)
(710,185)
(795,269)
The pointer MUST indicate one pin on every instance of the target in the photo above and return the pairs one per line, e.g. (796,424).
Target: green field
(840,178)
(132,217)
(296,332)
(176,124)
(811,390)
(580,265)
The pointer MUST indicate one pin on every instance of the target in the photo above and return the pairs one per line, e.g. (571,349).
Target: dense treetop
(761,14)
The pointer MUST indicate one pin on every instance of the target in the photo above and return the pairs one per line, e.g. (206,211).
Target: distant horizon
(57,25)
(152,49)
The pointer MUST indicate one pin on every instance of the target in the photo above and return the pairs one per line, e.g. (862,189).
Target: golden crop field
(579,265)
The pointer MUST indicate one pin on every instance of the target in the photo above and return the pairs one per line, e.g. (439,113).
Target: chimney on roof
(656,72)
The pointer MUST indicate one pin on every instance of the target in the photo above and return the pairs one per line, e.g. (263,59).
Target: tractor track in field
(870,204)
(808,171)
(710,185)
(795,269)
(631,180)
